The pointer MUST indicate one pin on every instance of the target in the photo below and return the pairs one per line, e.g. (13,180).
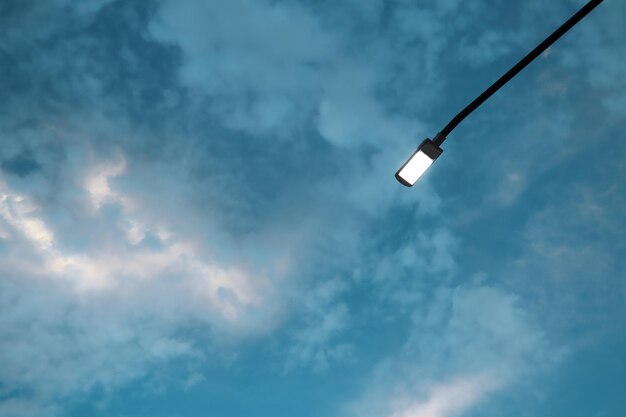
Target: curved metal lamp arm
(577,17)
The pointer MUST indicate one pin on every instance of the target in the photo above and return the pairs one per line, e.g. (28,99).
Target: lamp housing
(418,163)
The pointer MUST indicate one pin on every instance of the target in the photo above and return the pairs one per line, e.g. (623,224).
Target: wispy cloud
(464,344)
(449,399)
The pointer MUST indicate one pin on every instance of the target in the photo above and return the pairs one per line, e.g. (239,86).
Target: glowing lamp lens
(418,163)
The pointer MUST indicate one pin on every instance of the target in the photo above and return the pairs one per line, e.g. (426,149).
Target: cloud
(571,245)
(57,347)
(600,60)
(316,340)
(278,77)
(464,344)
(129,245)
(181,180)
(450,399)
(260,63)
(22,164)
(100,316)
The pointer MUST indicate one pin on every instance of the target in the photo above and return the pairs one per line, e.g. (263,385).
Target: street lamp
(418,163)
(429,150)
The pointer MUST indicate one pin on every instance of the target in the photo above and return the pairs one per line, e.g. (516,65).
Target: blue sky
(198,213)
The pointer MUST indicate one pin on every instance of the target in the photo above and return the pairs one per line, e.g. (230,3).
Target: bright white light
(415,167)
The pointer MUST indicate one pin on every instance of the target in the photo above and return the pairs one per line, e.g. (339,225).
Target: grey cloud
(261,63)
(309,66)
(22,164)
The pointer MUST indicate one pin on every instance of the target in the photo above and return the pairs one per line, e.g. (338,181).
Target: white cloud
(464,345)
(97,183)
(19,212)
(450,399)
(103,314)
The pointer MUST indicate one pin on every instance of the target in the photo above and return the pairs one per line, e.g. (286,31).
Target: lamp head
(418,163)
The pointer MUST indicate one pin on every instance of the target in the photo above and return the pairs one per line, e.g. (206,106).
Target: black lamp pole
(441,136)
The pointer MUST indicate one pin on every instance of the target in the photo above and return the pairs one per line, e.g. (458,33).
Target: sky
(199,215)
